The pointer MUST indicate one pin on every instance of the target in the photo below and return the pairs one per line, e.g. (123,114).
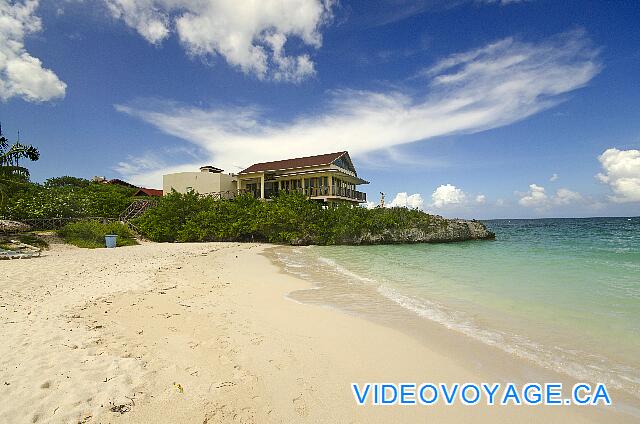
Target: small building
(329,178)
(209,180)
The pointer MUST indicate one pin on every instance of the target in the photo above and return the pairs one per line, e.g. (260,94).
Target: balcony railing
(333,191)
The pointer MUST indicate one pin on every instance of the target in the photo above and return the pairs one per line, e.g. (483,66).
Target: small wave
(577,364)
(560,360)
(342,270)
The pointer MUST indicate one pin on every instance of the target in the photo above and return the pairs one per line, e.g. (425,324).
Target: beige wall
(200,182)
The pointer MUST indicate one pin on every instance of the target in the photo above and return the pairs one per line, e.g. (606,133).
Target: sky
(477,109)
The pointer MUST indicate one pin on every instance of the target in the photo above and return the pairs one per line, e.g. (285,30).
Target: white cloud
(565,197)
(446,195)
(537,198)
(554,177)
(249,35)
(22,75)
(404,200)
(486,88)
(371,205)
(481,198)
(621,173)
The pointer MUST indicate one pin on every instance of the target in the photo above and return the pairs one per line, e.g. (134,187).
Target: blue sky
(483,109)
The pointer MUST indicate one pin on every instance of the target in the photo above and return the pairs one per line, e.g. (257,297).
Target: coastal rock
(440,231)
(449,231)
(12,226)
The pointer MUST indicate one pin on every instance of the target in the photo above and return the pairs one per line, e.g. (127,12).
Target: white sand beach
(204,333)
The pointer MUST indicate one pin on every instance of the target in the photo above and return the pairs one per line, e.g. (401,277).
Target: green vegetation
(27,238)
(12,175)
(288,219)
(66,197)
(90,234)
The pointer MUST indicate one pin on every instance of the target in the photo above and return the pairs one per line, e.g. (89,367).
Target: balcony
(316,192)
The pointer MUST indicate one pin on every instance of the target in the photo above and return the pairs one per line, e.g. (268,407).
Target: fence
(56,223)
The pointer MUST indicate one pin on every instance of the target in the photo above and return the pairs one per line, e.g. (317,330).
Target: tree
(11,173)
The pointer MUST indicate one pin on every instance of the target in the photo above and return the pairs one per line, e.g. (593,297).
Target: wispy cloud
(489,87)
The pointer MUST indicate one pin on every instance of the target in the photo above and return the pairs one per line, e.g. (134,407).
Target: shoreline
(392,310)
(205,333)
(477,355)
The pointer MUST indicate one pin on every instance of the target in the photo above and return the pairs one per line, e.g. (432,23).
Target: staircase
(136,208)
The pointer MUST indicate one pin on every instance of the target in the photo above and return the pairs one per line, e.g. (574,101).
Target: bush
(90,234)
(288,219)
(66,197)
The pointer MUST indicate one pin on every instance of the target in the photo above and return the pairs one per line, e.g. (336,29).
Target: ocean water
(564,293)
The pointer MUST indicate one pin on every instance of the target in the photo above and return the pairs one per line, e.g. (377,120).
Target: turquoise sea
(564,293)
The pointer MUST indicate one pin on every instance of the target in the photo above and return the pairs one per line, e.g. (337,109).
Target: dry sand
(204,333)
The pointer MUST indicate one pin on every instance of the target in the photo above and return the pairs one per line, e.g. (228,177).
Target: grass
(90,234)
(27,238)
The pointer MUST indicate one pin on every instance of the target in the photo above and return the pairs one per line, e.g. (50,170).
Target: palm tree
(11,172)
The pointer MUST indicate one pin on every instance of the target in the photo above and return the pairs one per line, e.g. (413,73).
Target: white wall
(200,182)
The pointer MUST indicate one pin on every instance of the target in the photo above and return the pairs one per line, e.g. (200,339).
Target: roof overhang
(356,180)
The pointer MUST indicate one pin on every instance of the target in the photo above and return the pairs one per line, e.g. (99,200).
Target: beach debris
(225,384)
(179,387)
(120,409)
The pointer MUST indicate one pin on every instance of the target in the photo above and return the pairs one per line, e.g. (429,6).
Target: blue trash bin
(110,240)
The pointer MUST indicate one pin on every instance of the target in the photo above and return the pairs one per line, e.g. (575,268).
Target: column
(262,186)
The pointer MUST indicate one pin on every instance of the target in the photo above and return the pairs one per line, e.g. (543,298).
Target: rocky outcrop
(440,231)
(450,231)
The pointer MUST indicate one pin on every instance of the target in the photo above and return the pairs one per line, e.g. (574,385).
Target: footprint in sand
(275,364)
(225,384)
(225,413)
(300,406)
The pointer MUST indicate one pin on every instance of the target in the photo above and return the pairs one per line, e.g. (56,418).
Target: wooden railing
(56,223)
(322,191)
(137,208)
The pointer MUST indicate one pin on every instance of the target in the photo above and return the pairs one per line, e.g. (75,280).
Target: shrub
(66,197)
(288,219)
(90,234)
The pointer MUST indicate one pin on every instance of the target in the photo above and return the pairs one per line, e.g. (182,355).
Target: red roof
(148,192)
(317,160)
